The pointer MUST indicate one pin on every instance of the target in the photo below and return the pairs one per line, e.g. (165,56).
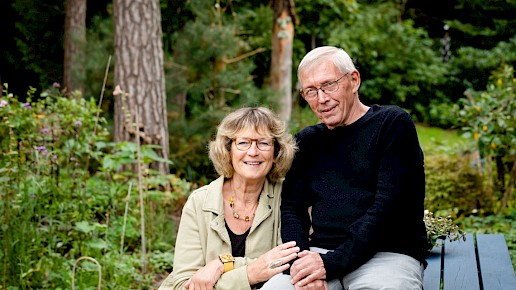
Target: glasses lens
(243,144)
(310,93)
(330,87)
(262,144)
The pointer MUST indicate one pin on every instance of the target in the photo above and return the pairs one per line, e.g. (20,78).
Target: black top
(237,242)
(366,185)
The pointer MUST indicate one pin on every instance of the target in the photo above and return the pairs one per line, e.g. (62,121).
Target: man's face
(333,109)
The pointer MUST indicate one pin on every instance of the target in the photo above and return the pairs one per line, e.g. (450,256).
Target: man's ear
(355,78)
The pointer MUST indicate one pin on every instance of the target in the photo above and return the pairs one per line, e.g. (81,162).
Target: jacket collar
(215,203)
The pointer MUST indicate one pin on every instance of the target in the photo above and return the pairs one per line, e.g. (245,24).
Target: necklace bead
(247,218)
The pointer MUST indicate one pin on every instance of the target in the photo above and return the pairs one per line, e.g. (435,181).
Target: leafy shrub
(64,197)
(453,184)
(489,118)
(440,229)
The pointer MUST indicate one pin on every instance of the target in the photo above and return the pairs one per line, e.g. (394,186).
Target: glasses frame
(322,88)
(251,144)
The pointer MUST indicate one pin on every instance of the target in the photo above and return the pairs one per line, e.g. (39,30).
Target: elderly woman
(229,235)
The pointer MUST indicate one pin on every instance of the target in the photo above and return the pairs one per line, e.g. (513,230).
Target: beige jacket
(202,236)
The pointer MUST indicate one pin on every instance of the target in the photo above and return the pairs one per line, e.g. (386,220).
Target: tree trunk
(281,58)
(139,73)
(74,41)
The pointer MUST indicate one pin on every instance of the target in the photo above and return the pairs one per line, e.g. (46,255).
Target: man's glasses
(243,144)
(328,88)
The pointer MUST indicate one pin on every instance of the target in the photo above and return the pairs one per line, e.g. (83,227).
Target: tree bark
(281,58)
(74,41)
(139,73)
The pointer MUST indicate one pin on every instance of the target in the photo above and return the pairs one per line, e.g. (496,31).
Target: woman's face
(254,163)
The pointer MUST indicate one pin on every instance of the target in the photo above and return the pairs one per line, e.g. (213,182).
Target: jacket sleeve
(189,252)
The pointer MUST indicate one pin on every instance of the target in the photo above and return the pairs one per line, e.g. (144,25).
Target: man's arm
(399,191)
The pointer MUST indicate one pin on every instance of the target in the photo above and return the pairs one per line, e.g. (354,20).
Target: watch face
(227,258)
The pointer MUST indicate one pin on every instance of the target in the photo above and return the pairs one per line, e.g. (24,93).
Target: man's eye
(329,85)
(309,91)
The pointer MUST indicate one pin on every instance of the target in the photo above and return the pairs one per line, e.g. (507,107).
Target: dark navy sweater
(365,185)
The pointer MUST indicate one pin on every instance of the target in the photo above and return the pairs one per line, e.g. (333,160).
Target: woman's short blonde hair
(265,122)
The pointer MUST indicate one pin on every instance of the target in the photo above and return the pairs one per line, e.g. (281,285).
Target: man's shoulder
(312,130)
(390,113)
(389,110)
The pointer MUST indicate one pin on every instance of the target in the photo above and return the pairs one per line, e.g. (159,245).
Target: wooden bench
(481,262)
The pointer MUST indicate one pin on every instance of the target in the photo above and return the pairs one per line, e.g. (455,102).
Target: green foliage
(39,39)
(489,118)
(210,69)
(453,185)
(99,47)
(435,140)
(397,62)
(439,229)
(64,197)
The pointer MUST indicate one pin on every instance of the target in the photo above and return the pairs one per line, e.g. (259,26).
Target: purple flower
(44,131)
(54,156)
(3,103)
(56,85)
(27,105)
(78,123)
(72,158)
(42,149)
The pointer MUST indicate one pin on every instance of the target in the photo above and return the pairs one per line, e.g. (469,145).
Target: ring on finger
(275,264)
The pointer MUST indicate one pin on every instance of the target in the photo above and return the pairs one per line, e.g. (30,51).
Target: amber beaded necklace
(246,218)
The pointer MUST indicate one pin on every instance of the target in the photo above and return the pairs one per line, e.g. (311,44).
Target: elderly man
(353,199)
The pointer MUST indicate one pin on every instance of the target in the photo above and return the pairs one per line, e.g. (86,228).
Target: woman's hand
(271,263)
(206,277)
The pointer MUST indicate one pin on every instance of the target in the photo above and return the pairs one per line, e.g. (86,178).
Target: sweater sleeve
(295,203)
(400,166)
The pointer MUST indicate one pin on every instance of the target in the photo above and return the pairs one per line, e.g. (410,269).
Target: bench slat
(432,276)
(460,265)
(495,263)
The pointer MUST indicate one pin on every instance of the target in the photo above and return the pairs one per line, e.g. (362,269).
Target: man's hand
(206,277)
(308,268)
(315,285)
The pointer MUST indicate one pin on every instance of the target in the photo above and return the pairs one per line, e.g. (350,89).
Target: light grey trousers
(384,271)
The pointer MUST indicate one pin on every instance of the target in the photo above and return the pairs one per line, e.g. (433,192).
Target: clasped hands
(308,272)
(262,269)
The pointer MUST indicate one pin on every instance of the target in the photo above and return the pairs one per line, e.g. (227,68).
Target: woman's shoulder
(201,193)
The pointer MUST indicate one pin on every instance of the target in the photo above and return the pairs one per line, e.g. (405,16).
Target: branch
(245,55)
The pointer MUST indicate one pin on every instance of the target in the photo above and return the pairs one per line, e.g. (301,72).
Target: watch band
(228,266)
(228,262)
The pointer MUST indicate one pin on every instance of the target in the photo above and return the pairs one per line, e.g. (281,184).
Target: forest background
(93,178)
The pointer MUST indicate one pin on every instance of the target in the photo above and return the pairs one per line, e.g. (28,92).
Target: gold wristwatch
(228,262)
